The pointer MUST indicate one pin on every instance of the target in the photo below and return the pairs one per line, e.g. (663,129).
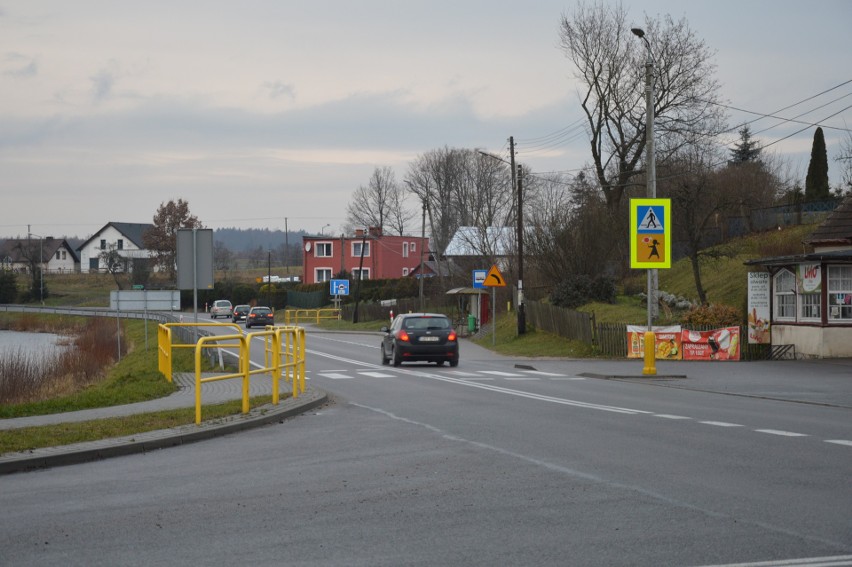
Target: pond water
(31,343)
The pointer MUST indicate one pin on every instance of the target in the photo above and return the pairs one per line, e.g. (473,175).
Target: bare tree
(223,258)
(844,158)
(162,238)
(610,65)
(700,197)
(114,262)
(380,204)
(463,188)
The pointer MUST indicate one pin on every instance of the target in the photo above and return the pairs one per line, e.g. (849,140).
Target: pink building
(384,257)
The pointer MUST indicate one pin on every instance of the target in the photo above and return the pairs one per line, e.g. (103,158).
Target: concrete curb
(161,439)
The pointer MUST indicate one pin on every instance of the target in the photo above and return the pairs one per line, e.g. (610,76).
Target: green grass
(533,343)
(29,438)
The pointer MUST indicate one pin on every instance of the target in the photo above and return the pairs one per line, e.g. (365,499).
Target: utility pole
(422,240)
(522,316)
(516,182)
(286,248)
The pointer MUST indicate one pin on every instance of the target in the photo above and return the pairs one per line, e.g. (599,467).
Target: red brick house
(372,254)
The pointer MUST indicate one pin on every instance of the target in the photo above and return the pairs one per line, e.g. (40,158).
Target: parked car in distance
(259,316)
(425,337)
(221,308)
(240,312)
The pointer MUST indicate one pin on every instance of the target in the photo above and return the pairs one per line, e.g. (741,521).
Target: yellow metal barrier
(313,315)
(284,348)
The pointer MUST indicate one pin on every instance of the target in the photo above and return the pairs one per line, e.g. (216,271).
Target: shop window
(784,291)
(811,304)
(840,293)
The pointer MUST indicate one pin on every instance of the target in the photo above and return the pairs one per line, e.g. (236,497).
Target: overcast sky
(259,111)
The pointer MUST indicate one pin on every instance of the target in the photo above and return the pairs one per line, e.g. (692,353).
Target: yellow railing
(315,315)
(284,349)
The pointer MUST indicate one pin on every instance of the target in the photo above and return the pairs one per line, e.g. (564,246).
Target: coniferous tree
(747,150)
(816,182)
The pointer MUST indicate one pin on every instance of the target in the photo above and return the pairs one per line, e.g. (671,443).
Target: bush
(578,290)
(712,316)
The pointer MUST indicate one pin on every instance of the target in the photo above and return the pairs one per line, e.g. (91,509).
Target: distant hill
(244,240)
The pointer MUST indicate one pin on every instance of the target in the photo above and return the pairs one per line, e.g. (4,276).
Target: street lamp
(651,173)
(323,229)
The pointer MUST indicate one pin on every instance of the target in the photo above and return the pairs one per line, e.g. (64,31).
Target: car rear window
(424,323)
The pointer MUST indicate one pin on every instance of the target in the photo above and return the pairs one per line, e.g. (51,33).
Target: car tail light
(403,336)
(452,336)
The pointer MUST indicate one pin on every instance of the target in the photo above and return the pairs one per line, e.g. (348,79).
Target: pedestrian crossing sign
(650,233)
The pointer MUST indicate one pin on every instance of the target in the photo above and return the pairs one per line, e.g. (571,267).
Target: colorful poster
(758,308)
(666,342)
(718,344)
(810,278)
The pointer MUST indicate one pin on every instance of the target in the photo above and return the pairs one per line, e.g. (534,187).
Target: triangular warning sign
(494,278)
(652,221)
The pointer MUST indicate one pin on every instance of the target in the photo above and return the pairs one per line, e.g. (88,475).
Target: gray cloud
(102,83)
(19,65)
(278,89)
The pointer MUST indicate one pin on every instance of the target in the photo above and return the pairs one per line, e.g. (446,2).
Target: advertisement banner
(810,278)
(758,308)
(718,344)
(667,342)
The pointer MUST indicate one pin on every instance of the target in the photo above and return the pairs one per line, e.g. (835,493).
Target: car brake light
(452,336)
(403,336)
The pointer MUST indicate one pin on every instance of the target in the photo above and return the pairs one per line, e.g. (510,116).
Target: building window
(405,271)
(840,293)
(323,274)
(323,250)
(365,274)
(810,306)
(64,255)
(58,256)
(405,249)
(356,249)
(413,247)
(120,244)
(784,286)
(103,244)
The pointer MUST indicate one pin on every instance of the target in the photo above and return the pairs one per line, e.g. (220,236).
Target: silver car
(221,308)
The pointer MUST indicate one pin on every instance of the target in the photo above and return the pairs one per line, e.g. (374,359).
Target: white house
(57,256)
(125,238)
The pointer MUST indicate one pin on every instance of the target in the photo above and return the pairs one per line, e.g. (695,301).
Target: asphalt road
(496,462)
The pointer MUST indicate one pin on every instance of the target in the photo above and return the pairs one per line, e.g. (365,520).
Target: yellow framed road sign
(494,278)
(650,233)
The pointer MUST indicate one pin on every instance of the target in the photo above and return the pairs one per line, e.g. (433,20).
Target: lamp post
(322,233)
(651,173)
(269,276)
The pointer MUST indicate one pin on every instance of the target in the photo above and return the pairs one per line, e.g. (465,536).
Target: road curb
(152,440)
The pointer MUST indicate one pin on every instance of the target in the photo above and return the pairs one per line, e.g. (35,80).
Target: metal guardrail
(292,316)
(284,349)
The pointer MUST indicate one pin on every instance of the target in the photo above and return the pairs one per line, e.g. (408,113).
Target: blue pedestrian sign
(339,287)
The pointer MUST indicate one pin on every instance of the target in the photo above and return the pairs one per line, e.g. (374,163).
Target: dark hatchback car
(420,337)
(259,316)
(240,313)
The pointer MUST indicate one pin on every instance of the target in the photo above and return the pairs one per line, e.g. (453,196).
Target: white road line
(839,442)
(669,416)
(781,433)
(721,423)
(462,373)
(523,378)
(541,373)
(557,379)
(834,561)
(335,375)
(376,374)
(501,373)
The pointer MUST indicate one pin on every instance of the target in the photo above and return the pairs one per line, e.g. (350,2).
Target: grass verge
(30,438)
